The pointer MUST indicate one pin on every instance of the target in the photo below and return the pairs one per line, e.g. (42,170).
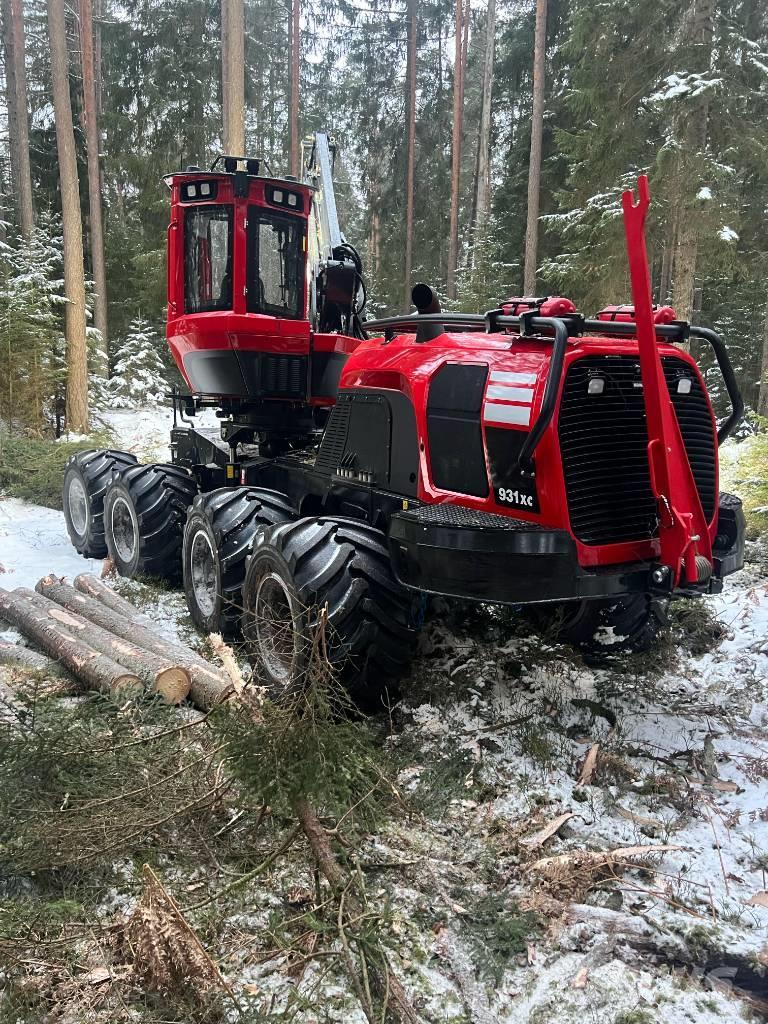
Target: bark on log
(17,656)
(207,685)
(88,665)
(92,586)
(160,673)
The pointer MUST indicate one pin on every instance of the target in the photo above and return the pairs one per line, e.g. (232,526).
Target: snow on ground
(34,542)
(492,732)
(147,432)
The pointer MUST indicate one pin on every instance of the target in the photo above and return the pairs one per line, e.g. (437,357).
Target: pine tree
(458,127)
(534,166)
(139,375)
(410,120)
(294,139)
(91,126)
(18,113)
(74,274)
(233,76)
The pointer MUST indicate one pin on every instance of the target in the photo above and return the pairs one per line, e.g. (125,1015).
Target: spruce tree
(139,375)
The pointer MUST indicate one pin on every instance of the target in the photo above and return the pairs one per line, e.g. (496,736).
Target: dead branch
(166,949)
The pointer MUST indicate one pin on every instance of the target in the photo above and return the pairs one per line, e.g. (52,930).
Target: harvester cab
(525,456)
(264,293)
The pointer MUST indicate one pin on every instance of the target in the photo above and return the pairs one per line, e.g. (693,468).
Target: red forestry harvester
(525,456)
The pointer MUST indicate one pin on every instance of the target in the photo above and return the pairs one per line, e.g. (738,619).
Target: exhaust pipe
(426,301)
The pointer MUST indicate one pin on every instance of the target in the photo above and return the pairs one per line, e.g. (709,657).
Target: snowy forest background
(675,89)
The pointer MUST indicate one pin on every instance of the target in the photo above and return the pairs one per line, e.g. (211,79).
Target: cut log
(92,586)
(91,667)
(161,674)
(208,685)
(17,656)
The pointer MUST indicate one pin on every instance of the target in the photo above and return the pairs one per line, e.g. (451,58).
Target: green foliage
(88,783)
(31,348)
(138,376)
(751,481)
(450,774)
(696,626)
(311,747)
(496,931)
(635,1017)
(33,469)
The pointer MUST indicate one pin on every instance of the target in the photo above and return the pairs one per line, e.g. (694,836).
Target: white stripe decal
(495,413)
(507,377)
(509,394)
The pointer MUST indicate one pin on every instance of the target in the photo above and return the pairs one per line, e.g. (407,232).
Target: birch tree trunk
(91,128)
(410,116)
(18,119)
(74,280)
(295,142)
(453,229)
(233,76)
(534,167)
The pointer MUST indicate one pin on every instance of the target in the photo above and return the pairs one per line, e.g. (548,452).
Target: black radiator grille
(604,439)
(283,376)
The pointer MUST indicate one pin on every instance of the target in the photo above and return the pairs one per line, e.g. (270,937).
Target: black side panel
(326,370)
(274,376)
(455,436)
(369,440)
(510,487)
(373,432)
(404,463)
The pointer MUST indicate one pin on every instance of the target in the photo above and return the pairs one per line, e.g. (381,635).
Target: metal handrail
(678,331)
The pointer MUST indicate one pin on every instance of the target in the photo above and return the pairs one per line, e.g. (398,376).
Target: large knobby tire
(144,514)
(629,623)
(343,566)
(86,478)
(218,538)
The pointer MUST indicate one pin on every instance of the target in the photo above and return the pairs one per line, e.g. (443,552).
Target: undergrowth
(87,781)
(33,469)
(748,478)
(315,747)
(496,932)
(91,790)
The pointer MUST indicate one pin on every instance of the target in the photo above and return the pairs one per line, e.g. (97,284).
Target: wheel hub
(202,572)
(275,634)
(123,530)
(77,503)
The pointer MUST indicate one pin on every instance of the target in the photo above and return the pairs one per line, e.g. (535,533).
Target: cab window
(207,259)
(275,264)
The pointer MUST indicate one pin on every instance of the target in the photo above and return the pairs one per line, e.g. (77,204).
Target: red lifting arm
(683,532)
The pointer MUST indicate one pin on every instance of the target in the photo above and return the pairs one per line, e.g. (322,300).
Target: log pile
(106,644)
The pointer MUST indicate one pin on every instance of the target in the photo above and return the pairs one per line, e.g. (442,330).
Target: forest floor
(515,768)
